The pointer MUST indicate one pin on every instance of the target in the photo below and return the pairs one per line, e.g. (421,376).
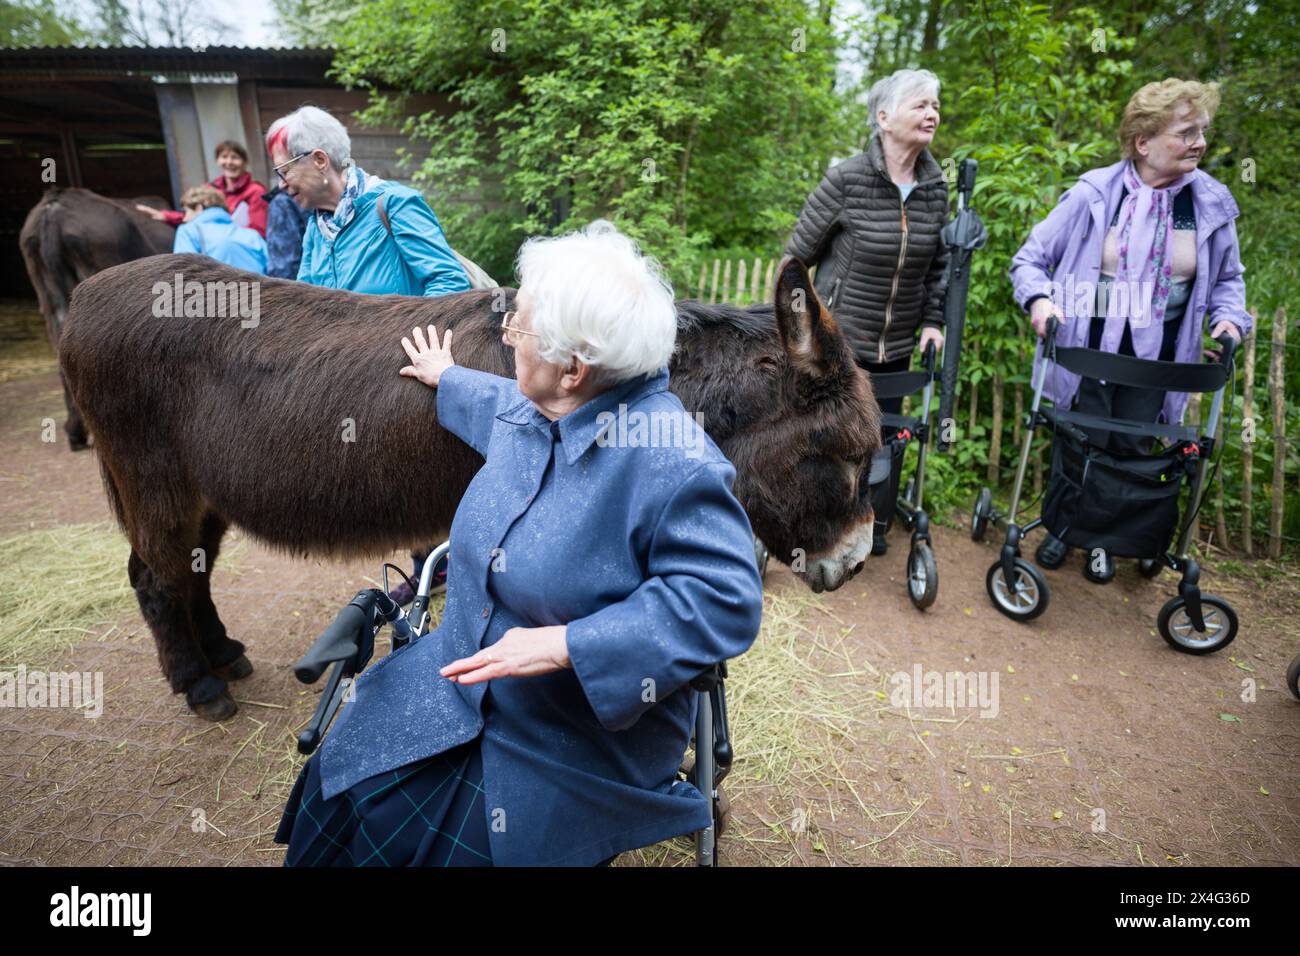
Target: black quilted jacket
(881,262)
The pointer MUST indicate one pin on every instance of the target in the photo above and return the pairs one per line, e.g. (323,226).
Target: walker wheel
(922,576)
(983,511)
(1293,676)
(1150,567)
(1026,598)
(1176,626)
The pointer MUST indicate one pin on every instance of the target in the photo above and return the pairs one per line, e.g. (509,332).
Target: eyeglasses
(513,332)
(1191,136)
(288,162)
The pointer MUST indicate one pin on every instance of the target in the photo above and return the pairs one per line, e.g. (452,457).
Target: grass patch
(62,585)
(24,347)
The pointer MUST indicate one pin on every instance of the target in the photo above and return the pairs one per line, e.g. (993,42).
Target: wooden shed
(138,121)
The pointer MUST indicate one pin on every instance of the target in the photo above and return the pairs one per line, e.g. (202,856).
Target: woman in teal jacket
(367,234)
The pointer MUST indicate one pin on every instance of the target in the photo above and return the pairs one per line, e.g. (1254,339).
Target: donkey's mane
(755,321)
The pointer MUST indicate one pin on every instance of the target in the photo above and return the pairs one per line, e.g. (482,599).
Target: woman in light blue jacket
(208,230)
(367,234)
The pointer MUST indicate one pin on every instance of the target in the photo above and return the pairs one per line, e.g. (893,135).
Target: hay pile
(59,586)
(794,702)
(24,348)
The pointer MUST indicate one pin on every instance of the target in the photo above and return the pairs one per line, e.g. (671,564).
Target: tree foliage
(690,125)
(37,23)
(703,125)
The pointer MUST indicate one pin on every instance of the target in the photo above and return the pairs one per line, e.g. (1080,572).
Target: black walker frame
(1192,622)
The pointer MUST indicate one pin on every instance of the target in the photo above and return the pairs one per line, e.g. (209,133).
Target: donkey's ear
(807,330)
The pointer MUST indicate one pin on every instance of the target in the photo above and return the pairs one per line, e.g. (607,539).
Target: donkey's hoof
(237,669)
(221,707)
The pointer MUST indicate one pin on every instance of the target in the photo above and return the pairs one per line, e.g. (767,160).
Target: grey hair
(308,128)
(886,94)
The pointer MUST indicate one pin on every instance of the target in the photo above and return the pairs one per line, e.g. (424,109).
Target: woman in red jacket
(236,184)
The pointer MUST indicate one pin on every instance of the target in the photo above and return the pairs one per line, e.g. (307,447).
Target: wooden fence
(740,281)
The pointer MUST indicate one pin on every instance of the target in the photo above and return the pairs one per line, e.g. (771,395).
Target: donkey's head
(798,469)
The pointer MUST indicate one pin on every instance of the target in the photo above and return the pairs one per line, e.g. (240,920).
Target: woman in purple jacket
(1137,258)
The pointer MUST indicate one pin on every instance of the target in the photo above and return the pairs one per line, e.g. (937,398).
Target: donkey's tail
(42,253)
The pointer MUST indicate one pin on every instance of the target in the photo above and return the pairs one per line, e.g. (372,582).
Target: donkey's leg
(225,656)
(165,602)
(74,426)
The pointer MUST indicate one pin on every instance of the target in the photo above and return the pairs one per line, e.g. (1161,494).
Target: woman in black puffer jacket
(873,227)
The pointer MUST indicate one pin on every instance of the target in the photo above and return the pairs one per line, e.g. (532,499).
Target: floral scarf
(1145,235)
(355,182)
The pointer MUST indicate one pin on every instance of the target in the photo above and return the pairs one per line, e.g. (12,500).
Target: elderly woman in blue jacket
(364,234)
(348,244)
(591,578)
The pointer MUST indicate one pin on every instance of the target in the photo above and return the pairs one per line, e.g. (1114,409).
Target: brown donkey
(290,421)
(70,235)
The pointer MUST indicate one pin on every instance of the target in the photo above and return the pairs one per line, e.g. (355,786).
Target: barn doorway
(101,134)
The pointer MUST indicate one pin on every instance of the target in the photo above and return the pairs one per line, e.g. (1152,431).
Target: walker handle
(1229,345)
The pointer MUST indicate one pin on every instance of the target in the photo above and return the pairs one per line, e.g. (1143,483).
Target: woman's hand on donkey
(428,359)
(521,652)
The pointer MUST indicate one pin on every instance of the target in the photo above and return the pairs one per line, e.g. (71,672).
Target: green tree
(691,126)
(37,23)
(312,23)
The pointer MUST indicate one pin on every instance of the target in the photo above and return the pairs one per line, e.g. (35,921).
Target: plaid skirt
(428,813)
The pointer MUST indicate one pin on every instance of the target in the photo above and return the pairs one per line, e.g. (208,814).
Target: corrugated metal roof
(249,62)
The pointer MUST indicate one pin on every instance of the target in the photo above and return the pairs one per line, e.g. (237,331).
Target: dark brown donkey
(70,235)
(297,428)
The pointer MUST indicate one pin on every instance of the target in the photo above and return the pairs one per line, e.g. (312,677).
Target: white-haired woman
(873,228)
(368,234)
(544,721)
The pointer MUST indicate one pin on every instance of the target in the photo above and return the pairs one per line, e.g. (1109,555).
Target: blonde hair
(1152,108)
(204,197)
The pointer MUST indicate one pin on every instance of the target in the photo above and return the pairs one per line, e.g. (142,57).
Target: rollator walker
(922,570)
(1128,504)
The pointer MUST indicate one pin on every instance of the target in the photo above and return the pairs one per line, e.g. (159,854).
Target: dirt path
(1107,747)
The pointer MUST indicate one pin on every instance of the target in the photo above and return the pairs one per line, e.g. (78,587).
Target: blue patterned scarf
(355,182)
